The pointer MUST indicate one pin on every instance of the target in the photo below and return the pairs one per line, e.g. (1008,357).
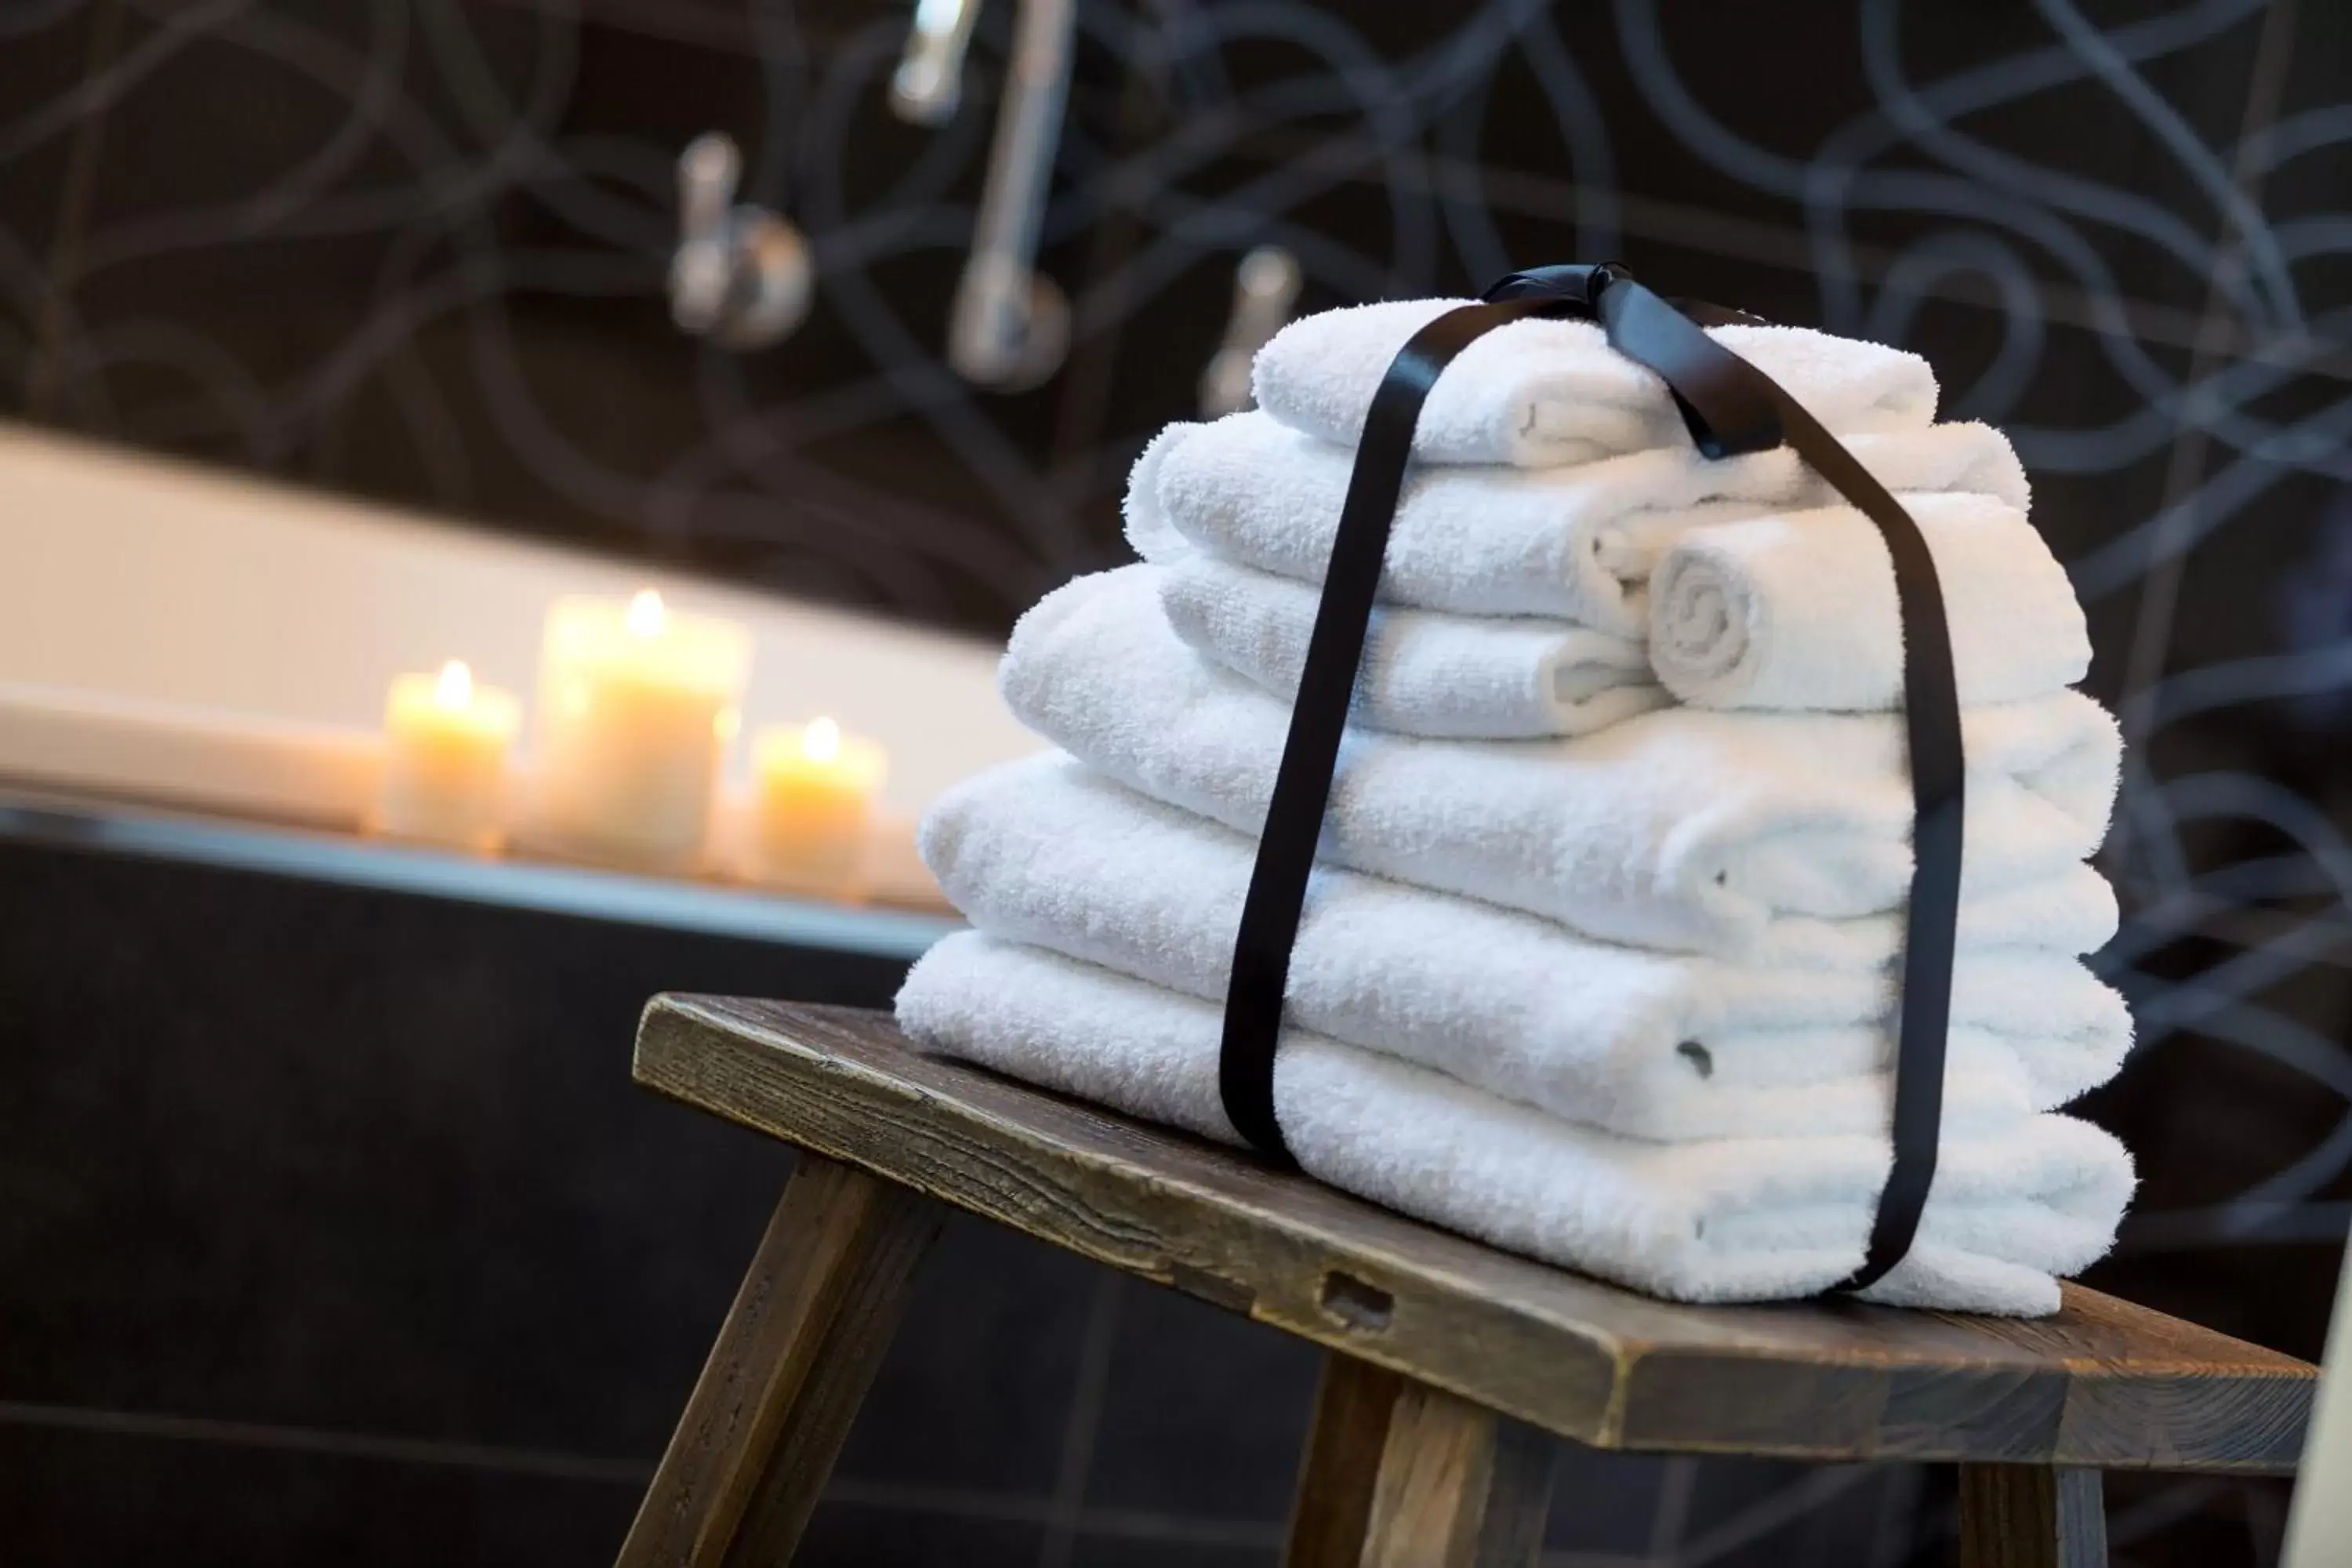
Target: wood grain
(2032,1516)
(1400,1475)
(782,1384)
(1459,1487)
(1335,1481)
(2102,1383)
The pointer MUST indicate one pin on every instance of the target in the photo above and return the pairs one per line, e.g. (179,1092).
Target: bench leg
(2032,1516)
(1402,1475)
(799,1345)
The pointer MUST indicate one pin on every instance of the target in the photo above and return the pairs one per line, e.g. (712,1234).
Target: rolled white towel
(1573,544)
(1424,672)
(1683,828)
(1730,1219)
(1798,611)
(1540,393)
(1648,1044)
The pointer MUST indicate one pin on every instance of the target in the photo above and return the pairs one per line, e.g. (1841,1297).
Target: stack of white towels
(1599,963)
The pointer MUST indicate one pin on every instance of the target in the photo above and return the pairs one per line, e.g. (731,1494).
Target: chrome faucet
(1010,326)
(1266,291)
(927,86)
(742,276)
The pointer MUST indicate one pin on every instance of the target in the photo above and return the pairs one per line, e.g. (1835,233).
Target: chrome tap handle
(1009,328)
(742,275)
(708,171)
(928,83)
(701,270)
(1266,291)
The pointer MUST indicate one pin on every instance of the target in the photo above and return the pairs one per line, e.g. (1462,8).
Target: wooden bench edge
(677,1031)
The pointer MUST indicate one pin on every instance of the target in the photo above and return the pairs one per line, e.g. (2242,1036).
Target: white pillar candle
(813,793)
(637,705)
(445,744)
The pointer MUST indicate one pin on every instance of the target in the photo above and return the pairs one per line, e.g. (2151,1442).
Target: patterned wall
(416,249)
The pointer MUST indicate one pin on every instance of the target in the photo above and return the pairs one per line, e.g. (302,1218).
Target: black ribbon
(1730,407)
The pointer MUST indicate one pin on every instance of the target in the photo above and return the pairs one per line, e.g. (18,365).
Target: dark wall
(335,1233)
(415,250)
(346,1184)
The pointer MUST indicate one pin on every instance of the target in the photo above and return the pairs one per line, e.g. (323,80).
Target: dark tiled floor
(976,1391)
(317,1182)
(303,1155)
(855,1537)
(70,1500)
(1203,1411)
(307,1157)
(1128,1551)
(1606,1502)
(1752,1514)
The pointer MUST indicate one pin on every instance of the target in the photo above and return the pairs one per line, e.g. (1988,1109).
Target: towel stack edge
(1601,963)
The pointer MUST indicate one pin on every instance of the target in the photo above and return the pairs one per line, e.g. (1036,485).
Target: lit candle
(812,796)
(638,707)
(446,742)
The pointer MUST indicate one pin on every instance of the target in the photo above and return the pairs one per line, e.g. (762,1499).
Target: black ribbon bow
(1730,407)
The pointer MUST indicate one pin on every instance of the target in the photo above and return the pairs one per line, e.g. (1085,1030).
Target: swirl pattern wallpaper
(421,251)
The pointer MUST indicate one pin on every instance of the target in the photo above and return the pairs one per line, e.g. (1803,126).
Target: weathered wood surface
(2032,1516)
(2104,1384)
(1458,1487)
(1400,1475)
(1342,1467)
(783,1381)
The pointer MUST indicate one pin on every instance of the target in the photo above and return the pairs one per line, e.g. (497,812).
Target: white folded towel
(1539,393)
(1799,610)
(1725,1220)
(1424,672)
(1793,611)
(1652,1045)
(1575,544)
(1681,828)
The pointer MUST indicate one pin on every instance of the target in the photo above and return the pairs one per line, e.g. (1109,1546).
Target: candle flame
(820,741)
(454,689)
(646,614)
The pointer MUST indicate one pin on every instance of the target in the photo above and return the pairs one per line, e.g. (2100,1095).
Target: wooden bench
(1452,1361)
